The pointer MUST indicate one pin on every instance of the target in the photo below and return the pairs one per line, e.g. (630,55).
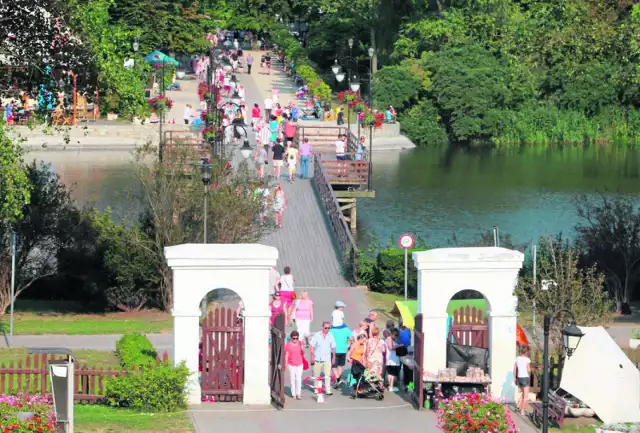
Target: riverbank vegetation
(68,253)
(500,71)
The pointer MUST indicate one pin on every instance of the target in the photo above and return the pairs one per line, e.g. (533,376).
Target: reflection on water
(527,193)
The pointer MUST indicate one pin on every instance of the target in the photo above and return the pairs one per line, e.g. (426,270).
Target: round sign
(407,241)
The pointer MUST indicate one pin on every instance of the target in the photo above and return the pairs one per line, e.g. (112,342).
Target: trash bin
(61,376)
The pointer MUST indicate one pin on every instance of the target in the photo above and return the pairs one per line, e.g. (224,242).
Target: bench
(557,410)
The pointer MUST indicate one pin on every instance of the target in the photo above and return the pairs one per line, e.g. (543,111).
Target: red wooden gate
(276,358)
(222,356)
(418,356)
(469,328)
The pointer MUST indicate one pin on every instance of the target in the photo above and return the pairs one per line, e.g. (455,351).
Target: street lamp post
(571,336)
(205,171)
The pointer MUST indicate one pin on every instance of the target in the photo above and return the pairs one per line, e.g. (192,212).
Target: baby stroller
(369,384)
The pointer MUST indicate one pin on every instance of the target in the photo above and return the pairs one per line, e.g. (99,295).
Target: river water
(432,193)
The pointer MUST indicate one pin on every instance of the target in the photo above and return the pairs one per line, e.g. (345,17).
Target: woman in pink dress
(293,355)
(302,313)
(277,307)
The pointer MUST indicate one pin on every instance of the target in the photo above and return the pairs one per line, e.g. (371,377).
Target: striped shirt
(265,134)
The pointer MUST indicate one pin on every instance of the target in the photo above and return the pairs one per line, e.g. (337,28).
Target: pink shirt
(294,350)
(303,309)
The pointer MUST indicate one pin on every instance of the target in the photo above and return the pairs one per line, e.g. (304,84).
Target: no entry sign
(407,241)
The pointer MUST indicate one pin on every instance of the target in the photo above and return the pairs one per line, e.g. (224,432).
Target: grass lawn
(103,419)
(90,358)
(41,318)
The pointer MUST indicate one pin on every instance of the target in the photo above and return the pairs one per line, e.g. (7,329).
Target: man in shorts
(278,158)
(341,335)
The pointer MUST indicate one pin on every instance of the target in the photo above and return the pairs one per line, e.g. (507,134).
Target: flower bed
(475,413)
(23,413)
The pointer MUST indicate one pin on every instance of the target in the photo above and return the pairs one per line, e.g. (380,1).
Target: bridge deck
(305,242)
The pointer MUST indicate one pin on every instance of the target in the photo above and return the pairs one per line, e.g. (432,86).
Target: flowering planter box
(618,428)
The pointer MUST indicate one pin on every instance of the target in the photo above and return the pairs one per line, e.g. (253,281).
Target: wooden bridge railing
(339,226)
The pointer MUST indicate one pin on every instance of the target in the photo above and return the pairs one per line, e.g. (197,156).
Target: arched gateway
(243,268)
(491,271)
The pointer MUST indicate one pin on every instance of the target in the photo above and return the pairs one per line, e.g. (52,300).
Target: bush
(160,389)
(395,85)
(385,272)
(474,413)
(421,123)
(135,349)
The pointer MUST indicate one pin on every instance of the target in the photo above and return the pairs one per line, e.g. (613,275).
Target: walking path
(305,243)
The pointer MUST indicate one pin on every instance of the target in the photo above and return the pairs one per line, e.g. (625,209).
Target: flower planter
(180,74)
(112,116)
(634,343)
(23,416)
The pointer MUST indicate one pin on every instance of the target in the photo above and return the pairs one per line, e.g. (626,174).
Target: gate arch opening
(467,319)
(222,346)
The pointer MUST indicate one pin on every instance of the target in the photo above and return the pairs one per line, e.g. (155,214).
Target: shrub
(160,389)
(395,85)
(388,273)
(44,419)
(135,349)
(421,123)
(474,413)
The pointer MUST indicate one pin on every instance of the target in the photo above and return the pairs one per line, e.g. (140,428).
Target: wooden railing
(330,134)
(339,226)
(346,172)
(32,377)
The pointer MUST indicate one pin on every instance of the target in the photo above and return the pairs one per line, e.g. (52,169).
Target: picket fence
(32,376)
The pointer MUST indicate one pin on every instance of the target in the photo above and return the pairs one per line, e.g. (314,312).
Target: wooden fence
(32,376)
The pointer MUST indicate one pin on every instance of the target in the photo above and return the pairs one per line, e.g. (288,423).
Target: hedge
(293,51)
(384,273)
(160,389)
(135,349)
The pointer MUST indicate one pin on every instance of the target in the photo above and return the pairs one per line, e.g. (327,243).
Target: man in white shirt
(268,106)
(340,155)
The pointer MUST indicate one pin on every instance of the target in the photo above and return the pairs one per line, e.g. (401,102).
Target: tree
(608,235)
(36,35)
(47,228)
(578,289)
(172,197)
(14,183)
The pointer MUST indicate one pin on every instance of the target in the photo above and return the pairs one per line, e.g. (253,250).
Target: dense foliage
(504,71)
(158,389)
(135,350)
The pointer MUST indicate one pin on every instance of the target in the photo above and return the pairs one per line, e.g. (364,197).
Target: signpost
(406,241)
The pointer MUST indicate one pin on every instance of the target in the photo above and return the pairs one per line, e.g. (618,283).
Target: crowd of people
(335,349)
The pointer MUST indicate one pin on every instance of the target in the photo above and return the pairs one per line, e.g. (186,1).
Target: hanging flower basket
(347,97)
(360,106)
(202,91)
(209,133)
(160,104)
(371,118)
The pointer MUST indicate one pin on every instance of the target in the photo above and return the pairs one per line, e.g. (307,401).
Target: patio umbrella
(159,58)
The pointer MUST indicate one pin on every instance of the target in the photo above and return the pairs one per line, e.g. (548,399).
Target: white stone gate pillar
(491,271)
(243,268)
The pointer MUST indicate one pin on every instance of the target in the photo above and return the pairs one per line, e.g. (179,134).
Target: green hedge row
(159,389)
(294,53)
(384,273)
(135,349)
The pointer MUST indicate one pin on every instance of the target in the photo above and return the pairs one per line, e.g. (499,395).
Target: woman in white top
(187,114)
(522,377)
(286,287)
(393,361)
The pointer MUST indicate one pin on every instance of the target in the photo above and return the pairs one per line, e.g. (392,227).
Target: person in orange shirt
(356,356)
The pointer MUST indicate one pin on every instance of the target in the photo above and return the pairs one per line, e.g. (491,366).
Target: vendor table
(434,387)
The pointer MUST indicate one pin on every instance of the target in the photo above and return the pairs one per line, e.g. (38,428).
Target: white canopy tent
(602,376)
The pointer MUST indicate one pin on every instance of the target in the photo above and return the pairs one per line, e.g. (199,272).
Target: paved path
(305,243)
